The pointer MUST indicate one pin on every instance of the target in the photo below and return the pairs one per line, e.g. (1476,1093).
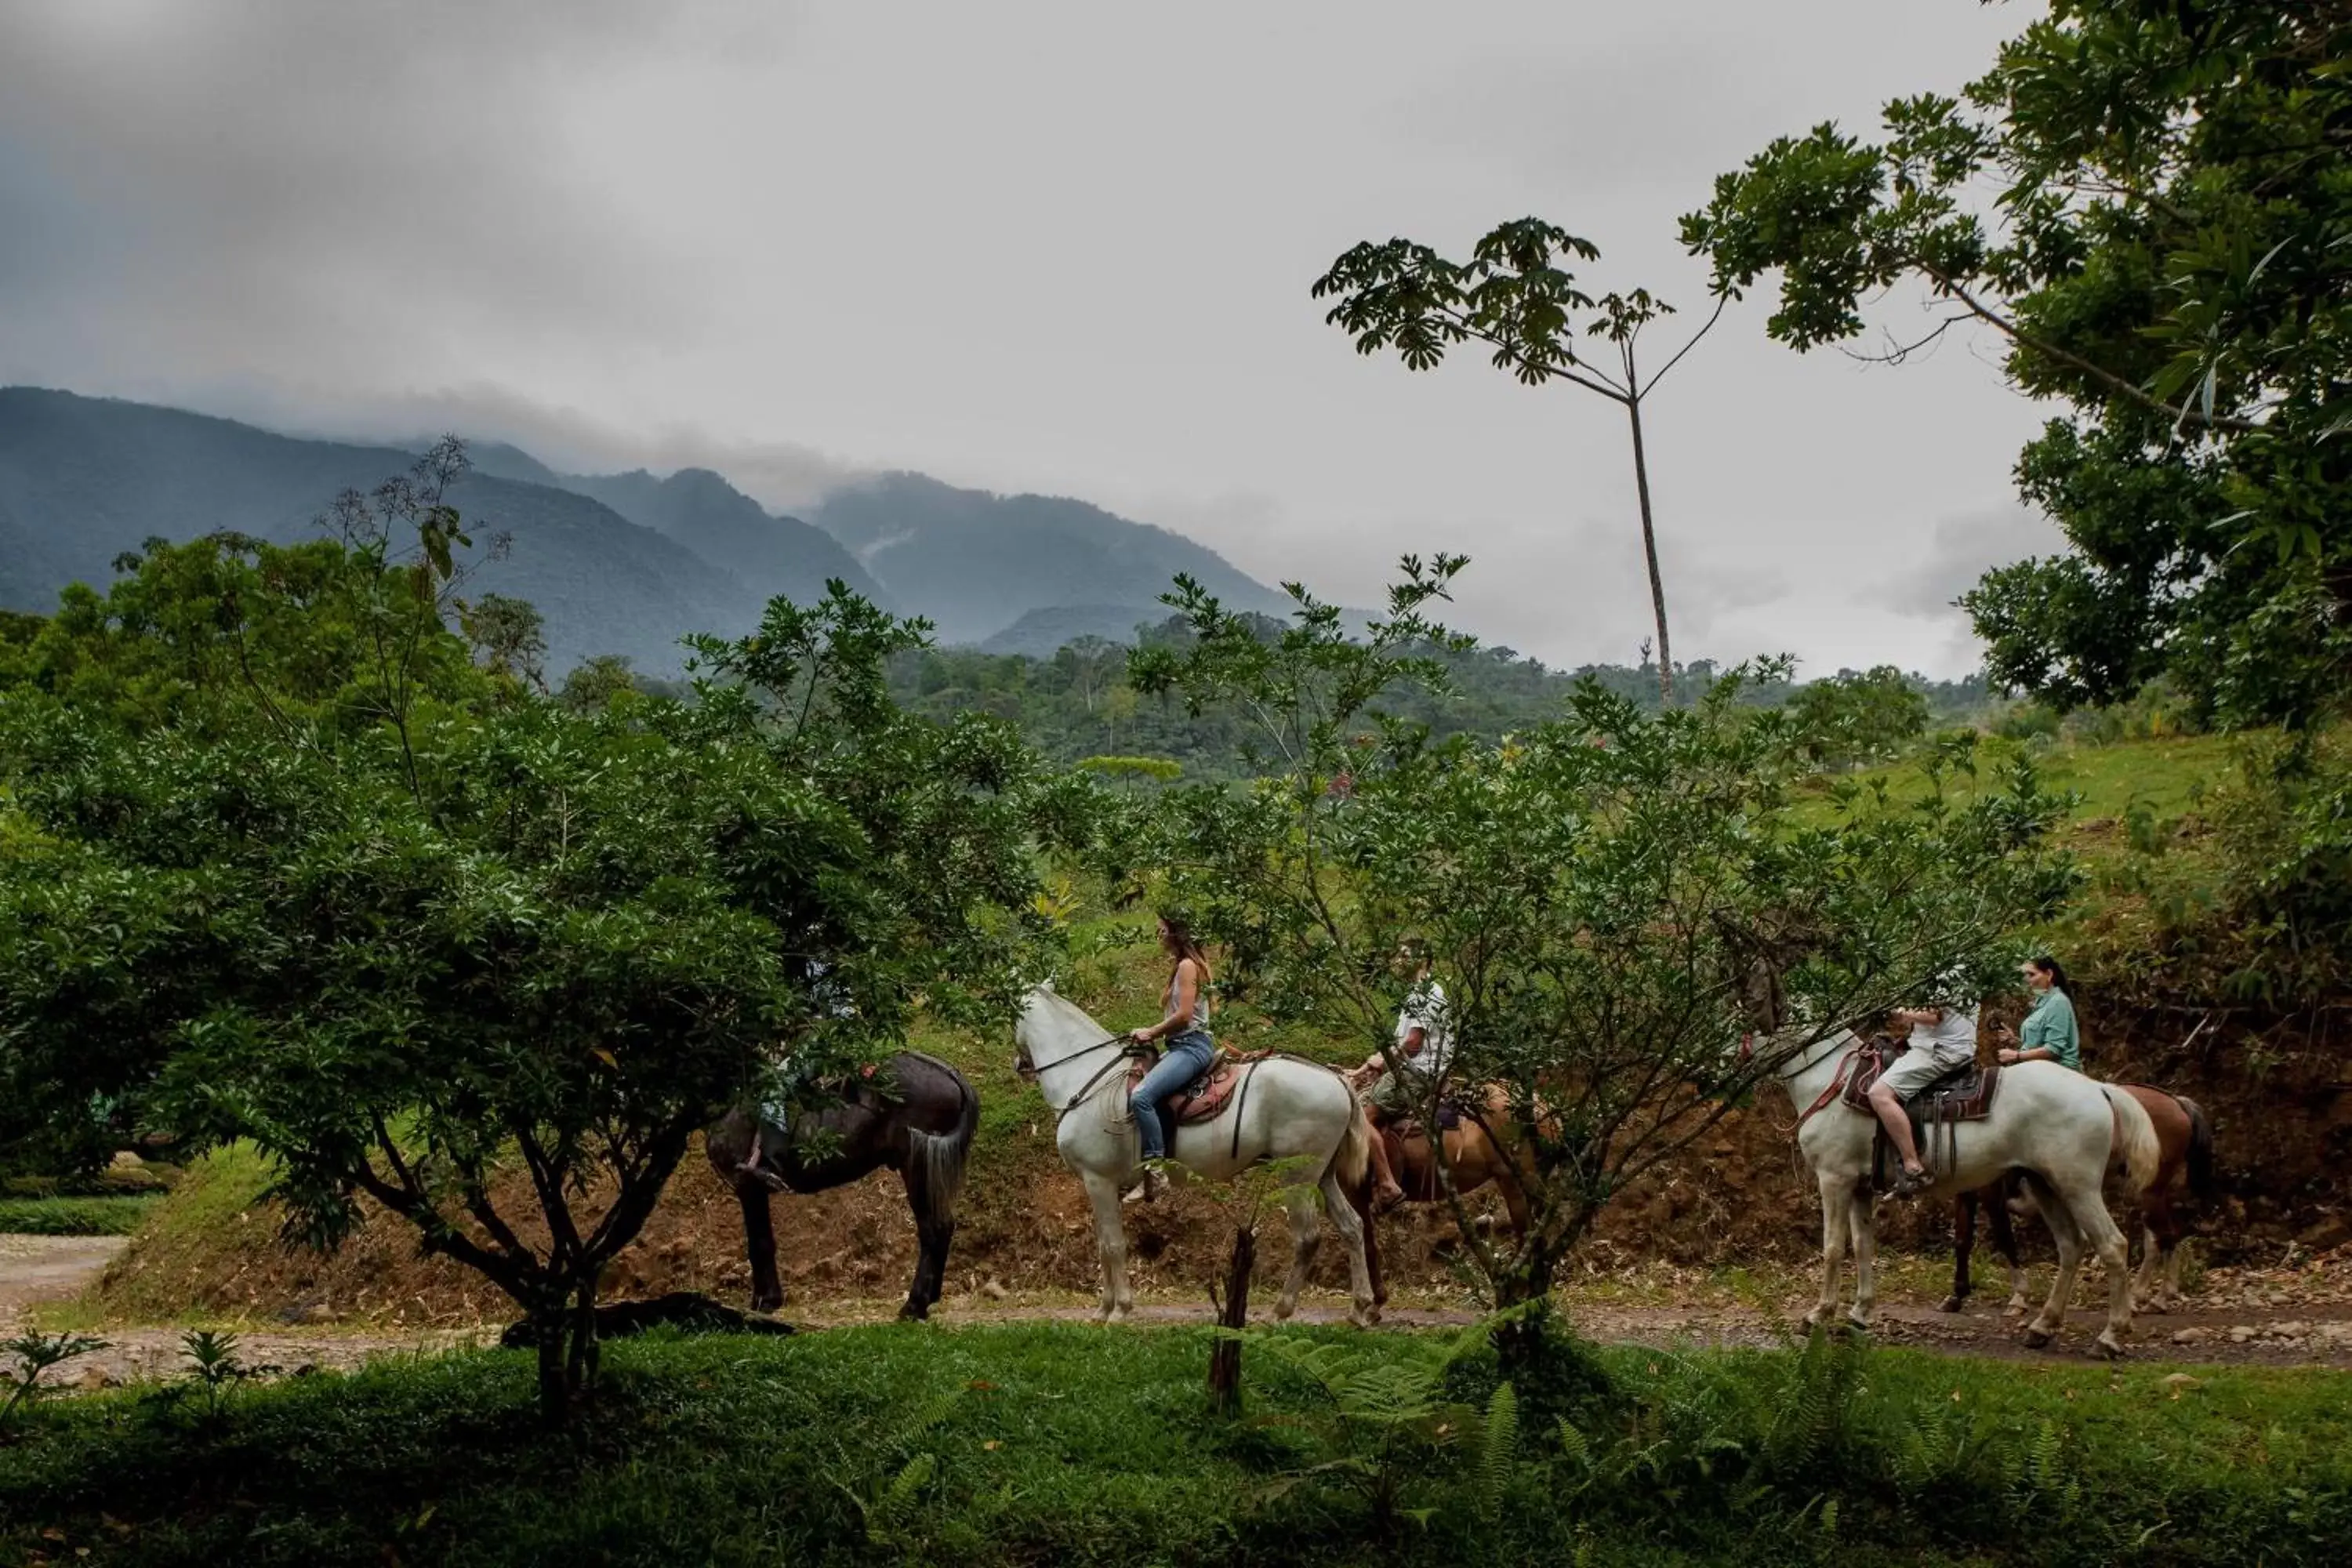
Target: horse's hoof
(2037,1339)
(2016,1308)
(768,1303)
(2105,1348)
(1282,1310)
(2152,1309)
(1952,1303)
(911,1314)
(1856,1324)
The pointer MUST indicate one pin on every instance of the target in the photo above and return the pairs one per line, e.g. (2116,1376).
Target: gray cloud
(1041,245)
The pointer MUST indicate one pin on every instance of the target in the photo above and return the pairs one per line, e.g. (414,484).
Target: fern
(1496,1456)
(1573,1445)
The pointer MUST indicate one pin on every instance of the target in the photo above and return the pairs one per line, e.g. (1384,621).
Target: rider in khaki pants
(1942,1039)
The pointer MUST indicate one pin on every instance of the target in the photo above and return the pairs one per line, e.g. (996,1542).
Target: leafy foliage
(36,1353)
(398,941)
(1599,893)
(2164,253)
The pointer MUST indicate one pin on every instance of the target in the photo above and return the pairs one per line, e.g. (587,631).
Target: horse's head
(1024,1065)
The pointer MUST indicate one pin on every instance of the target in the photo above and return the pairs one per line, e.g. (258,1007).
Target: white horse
(2064,1130)
(1286,1108)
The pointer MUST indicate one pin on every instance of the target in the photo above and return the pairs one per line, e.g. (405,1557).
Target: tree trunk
(1650,547)
(565,1324)
(1225,1360)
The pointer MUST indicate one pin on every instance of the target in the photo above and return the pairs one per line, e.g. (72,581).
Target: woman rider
(2048,1033)
(1185,1028)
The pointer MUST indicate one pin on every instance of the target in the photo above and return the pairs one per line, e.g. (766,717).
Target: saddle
(1449,1117)
(1418,1177)
(1941,1104)
(1205,1098)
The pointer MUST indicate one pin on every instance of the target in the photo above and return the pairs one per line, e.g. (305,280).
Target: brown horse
(2185,1140)
(1479,1154)
(923,1129)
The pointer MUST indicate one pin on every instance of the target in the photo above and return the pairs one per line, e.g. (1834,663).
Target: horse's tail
(2200,1149)
(1353,1158)
(937,1160)
(2136,1146)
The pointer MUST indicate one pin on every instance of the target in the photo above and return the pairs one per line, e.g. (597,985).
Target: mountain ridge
(623,562)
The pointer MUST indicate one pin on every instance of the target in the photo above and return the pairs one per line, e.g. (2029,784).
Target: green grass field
(1071,1445)
(73,1216)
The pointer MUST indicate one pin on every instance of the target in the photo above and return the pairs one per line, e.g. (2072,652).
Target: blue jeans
(1187,1056)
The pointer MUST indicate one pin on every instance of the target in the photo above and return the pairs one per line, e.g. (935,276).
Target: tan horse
(2185,1143)
(1478,1153)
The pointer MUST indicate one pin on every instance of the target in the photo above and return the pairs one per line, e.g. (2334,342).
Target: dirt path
(2245,1317)
(36,1269)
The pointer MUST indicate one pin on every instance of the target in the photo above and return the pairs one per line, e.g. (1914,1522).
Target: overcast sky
(1060,248)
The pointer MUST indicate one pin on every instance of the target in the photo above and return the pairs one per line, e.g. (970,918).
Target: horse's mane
(1070,1011)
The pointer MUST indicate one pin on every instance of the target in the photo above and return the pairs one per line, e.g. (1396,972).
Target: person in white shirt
(1424,1043)
(1942,1039)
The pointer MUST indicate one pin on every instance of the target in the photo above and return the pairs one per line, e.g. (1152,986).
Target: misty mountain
(623,564)
(728,529)
(1042,632)
(976,563)
(83,480)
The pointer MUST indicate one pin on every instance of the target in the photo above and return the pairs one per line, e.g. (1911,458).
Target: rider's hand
(2010,1059)
(1141,1037)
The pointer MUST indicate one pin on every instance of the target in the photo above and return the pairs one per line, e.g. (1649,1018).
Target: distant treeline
(1077,704)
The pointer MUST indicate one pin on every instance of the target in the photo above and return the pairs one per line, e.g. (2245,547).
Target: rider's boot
(1152,1186)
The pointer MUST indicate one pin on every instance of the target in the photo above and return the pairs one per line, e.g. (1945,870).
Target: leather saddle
(1409,1157)
(1449,1117)
(1963,1094)
(1206,1097)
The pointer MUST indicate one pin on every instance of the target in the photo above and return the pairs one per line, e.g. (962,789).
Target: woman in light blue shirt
(2048,1033)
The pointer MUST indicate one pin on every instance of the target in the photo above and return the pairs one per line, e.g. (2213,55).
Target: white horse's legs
(1837,1198)
(1110,1244)
(1862,1222)
(2019,1283)
(1363,1311)
(2059,1218)
(1305,1236)
(2098,1226)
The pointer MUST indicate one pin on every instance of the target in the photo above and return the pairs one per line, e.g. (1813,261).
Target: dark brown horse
(2185,1140)
(922,1128)
(1477,1154)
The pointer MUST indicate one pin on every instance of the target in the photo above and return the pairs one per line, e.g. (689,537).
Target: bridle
(1028,1070)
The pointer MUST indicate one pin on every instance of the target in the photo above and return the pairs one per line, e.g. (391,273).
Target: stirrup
(1911,1183)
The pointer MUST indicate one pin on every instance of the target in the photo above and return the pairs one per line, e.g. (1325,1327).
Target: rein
(1094,1082)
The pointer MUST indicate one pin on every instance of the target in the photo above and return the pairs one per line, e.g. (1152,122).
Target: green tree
(2162,249)
(405,955)
(1858,716)
(1516,297)
(1596,891)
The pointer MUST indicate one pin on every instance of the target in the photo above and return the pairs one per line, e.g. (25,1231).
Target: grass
(74,1215)
(2162,776)
(1053,1443)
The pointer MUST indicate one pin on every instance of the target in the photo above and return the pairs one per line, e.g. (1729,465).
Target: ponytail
(2057,972)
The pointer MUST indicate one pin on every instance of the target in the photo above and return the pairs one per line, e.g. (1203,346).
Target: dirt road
(2289,1317)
